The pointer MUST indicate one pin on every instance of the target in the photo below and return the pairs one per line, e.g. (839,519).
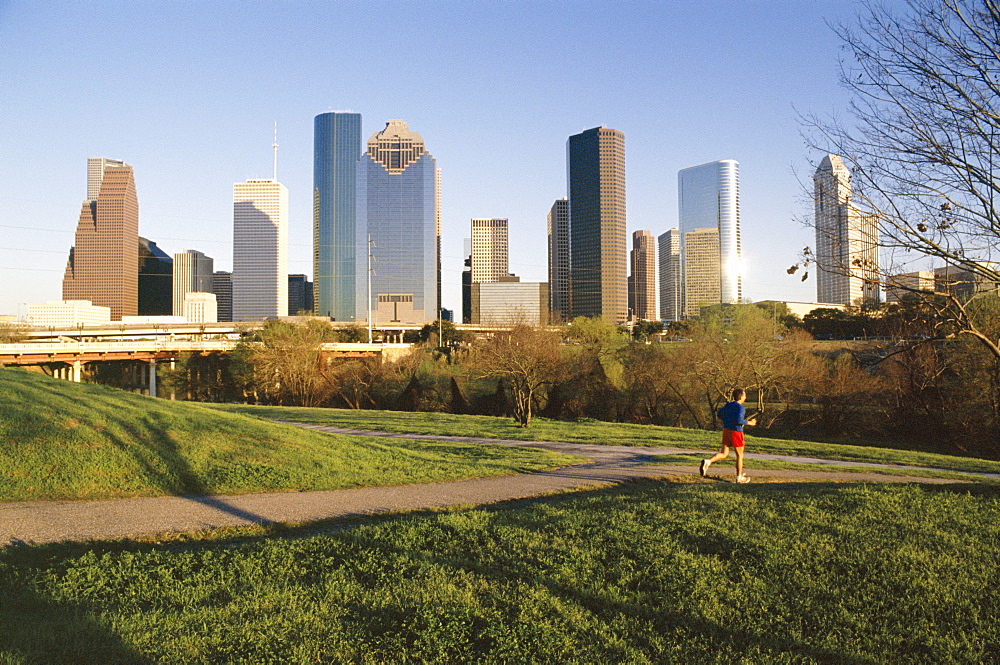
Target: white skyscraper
(489,250)
(709,198)
(260,250)
(846,239)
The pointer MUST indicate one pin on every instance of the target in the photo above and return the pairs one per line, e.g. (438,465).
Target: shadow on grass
(143,436)
(36,629)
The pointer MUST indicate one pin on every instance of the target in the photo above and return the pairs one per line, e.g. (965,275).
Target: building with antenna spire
(260,248)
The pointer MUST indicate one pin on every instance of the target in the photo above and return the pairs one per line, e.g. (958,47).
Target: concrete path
(35,522)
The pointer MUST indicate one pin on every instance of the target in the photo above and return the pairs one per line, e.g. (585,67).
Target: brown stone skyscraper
(598,255)
(103,264)
(642,281)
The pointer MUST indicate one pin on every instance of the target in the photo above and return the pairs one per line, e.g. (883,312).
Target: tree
(923,145)
(288,362)
(526,359)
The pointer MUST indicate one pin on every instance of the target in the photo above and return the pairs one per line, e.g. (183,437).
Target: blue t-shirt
(733,415)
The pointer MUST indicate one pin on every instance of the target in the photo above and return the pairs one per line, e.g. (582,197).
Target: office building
(670,276)
(300,294)
(68,313)
(200,308)
(260,250)
(702,286)
(642,280)
(558,228)
(103,265)
(222,287)
(489,250)
(510,302)
(192,274)
(846,239)
(398,195)
(336,273)
(598,257)
(709,212)
(156,280)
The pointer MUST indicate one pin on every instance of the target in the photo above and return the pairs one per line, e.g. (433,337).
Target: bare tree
(527,359)
(923,144)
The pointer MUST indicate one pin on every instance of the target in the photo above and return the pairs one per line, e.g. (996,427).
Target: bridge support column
(77,371)
(152,377)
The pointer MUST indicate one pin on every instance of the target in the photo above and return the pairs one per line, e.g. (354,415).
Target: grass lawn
(751,465)
(60,440)
(641,573)
(597,432)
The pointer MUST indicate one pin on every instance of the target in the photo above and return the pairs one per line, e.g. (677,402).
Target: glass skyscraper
(397,206)
(336,150)
(709,211)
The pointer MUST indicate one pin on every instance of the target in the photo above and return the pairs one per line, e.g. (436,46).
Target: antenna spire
(275,146)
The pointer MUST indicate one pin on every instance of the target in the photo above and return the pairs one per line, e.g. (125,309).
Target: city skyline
(191,129)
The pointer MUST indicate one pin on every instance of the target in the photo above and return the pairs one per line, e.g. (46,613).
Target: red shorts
(732,438)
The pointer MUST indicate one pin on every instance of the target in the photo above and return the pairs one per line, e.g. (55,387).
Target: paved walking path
(35,522)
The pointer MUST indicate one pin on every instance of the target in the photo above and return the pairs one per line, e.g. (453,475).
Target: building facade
(192,274)
(846,239)
(598,256)
(300,294)
(336,150)
(156,280)
(671,307)
(222,287)
(103,265)
(68,313)
(398,228)
(558,228)
(489,250)
(709,202)
(510,302)
(260,250)
(200,307)
(642,280)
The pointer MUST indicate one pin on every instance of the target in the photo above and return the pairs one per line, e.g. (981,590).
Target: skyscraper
(643,277)
(709,202)
(336,150)
(598,261)
(103,264)
(260,250)
(398,193)
(846,239)
(670,275)
(192,274)
(558,227)
(489,250)
(156,280)
(222,287)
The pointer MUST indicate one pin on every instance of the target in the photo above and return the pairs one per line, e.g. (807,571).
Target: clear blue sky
(187,92)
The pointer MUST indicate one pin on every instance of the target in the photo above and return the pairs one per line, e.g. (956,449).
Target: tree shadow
(37,629)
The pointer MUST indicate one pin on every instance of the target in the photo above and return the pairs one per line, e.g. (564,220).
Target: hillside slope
(60,440)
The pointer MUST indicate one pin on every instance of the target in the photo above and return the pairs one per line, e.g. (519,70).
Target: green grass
(643,573)
(597,432)
(60,440)
(751,464)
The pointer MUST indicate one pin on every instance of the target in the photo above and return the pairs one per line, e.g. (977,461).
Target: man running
(733,415)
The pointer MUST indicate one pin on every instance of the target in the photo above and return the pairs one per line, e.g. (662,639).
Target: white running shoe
(742,479)
(704,468)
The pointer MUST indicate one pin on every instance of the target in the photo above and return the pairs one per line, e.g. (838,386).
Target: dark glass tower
(598,263)
(337,147)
